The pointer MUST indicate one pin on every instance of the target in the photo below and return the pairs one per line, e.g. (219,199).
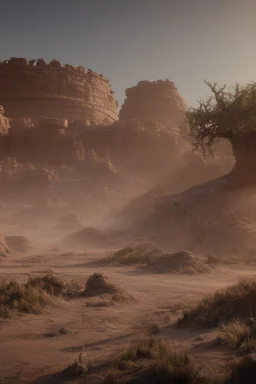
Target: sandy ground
(30,354)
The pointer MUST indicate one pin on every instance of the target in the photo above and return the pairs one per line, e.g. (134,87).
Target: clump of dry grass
(151,360)
(49,283)
(235,333)
(248,345)
(243,371)
(155,260)
(21,298)
(183,262)
(234,302)
(54,285)
(240,335)
(134,255)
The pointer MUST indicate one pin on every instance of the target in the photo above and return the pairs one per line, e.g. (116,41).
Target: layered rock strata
(36,89)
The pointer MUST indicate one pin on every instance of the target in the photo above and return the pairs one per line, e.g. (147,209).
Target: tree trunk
(244,150)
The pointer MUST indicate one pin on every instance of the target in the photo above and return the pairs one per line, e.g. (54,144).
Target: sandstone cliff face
(131,144)
(154,101)
(37,89)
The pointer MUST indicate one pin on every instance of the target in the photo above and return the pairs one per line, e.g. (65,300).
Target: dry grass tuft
(234,302)
(54,285)
(235,333)
(134,255)
(21,298)
(243,371)
(155,260)
(152,361)
(48,283)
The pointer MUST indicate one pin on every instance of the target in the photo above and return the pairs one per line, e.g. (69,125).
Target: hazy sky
(185,41)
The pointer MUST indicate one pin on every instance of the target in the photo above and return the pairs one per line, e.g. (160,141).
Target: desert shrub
(22,298)
(234,302)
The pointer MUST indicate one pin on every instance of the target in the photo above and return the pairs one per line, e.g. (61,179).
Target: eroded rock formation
(37,89)
(4,123)
(154,101)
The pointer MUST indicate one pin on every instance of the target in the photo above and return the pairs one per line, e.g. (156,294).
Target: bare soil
(33,348)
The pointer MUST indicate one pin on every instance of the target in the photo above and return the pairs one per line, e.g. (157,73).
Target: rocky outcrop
(37,89)
(132,143)
(4,123)
(4,250)
(154,101)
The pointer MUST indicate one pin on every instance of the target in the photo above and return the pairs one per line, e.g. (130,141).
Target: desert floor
(32,351)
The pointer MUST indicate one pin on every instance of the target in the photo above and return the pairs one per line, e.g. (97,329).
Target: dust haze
(118,225)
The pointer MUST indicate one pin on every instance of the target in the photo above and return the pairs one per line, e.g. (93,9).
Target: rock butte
(56,111)
(154,101)
(37,89)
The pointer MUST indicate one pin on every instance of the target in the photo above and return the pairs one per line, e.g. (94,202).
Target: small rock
(199,338)
(65,331)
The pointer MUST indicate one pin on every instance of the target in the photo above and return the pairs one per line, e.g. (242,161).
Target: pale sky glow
(132,40)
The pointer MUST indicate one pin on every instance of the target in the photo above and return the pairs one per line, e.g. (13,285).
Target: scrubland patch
(153,361)
(16,297)
(153,259)
(232,303)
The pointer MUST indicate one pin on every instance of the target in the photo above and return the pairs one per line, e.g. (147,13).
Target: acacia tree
(228,114)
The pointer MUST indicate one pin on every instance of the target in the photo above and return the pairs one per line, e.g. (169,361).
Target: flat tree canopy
(230,113)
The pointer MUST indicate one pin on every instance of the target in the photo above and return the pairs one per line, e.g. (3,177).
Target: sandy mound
(4,250)
(18,243)
(178,262)
(99,285)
